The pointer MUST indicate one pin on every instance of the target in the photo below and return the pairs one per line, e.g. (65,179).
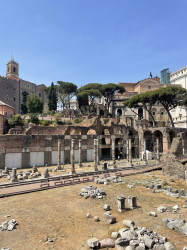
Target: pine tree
(52,98)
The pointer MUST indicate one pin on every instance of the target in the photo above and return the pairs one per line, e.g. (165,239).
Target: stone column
(140,149)
(121,203)
(80,153)
(98,163)
(127,146)
(59,154)
(95,155)
(157,149)
(130,152)
(72,157)
(145,156)
(113,153)
(14,176)
(132,202)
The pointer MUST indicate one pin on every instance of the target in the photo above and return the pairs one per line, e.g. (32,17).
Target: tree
(24,102)
(16,120)
(88,93)
(143,100)
(109,90)
(52,97)
(170,97)
(34,104)
(66,91)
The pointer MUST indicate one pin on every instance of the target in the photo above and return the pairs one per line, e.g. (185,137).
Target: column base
(121,210)
(73,172)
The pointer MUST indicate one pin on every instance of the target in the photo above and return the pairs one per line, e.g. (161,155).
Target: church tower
(12,69)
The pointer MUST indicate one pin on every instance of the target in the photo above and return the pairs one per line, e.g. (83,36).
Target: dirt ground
(61,214)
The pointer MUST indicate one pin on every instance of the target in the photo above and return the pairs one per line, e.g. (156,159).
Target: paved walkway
(72,180)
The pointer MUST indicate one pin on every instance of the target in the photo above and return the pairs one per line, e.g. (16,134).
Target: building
(118,109)
(6,112)
(179,114)
(12,87)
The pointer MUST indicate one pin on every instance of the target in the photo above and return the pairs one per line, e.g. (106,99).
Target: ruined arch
(106,132)
(119,112)
(158,135)
(140,113)
(148,140)
(91,132)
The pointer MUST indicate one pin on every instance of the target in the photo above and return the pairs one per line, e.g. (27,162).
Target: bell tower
(12,69)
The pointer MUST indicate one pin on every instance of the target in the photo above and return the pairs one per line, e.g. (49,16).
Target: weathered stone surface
(121,203)
(114,235)
(183,229)
(149,242)
(122,242)
(107,243)
(128,223)
(169,246)
(107,214)
(153,214)
(106,207)
(110,219)
(93,242)
(161,209)
(96,219)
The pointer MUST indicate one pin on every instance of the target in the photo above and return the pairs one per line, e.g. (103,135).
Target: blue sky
(86,41)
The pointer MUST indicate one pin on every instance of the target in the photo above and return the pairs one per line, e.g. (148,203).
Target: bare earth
(61,214)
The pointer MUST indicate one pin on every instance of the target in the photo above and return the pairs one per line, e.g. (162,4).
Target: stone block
(107,243)
(122,242)
(183,230)
(169,246)
(93,242)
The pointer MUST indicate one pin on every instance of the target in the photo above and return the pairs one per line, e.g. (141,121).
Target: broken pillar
(14,176)
(132,202)
(72,157)
(157,149)
(145,156)
(113,153)
(59,154)
(80,153)
(95,155)
(121,203)
(127,147)
(130,153)
(98,163)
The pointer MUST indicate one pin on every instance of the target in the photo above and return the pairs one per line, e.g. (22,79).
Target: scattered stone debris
(93,192)
(3,248)
(106,207)
(108,180)
(139,238)
(8,225)
(109,219)
(161,209)
(130,186)
(96,219)
(47,240)
(153,214)
(88,215)
(46,173)
(178,224)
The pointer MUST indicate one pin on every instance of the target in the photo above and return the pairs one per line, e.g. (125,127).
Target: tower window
(40,95)
(14,98)
(14,69)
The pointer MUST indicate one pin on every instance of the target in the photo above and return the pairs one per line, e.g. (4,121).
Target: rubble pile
(133,238)
(178,224)
(93,192)
(108,180)
(8,225)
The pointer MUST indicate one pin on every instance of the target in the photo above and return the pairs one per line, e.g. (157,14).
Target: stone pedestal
(132,202)
(121,203)
(72,157)
(14,175)
(80,153)
(59,154)
(46,173)
(113,153)
(95,155)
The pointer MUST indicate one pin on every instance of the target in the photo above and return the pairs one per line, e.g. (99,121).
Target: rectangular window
(14,98)
(149,87)
(5,114)
(153,112)
(162,113)
(28,86)
(11,115)
(39,94)
(14,89)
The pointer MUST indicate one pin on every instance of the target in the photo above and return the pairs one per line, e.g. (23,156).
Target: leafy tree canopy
(34,104)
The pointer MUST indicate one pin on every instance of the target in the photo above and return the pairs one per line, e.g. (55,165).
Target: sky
(92,41)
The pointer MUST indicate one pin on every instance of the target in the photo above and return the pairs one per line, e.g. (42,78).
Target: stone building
(6,112)
(12,87)
(118,109)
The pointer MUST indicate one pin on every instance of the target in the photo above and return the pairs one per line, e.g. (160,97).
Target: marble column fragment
(59,154)
(132,202)
(14,175)
(113,153)
(98,163)
(157,149)
(95,155)
(72,157)
(80,153)
(121,203)
(130,152)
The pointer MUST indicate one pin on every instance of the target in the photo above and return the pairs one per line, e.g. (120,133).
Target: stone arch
(148,140)
(158,135)
(140,113)
(106,132)
(72,131)
(171,136)
(91,132)
(119,112)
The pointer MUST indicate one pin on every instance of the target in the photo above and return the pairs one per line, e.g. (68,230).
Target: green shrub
(106,120)
(118,120)
(69,123)
(45,123)
(78,120)
(34,119)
